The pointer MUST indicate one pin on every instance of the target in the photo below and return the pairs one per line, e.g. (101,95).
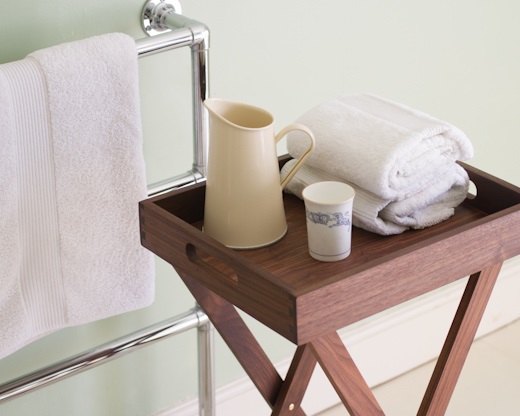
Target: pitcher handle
(300,161)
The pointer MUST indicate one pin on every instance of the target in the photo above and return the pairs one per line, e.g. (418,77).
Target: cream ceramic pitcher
(244,203)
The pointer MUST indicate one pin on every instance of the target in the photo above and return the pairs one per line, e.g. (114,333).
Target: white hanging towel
(71,176)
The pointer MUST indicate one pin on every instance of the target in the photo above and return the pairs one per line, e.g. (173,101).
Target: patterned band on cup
(335,219)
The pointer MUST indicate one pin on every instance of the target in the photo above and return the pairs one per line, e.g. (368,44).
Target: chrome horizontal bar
(163,42)
(185,179)
(102,354)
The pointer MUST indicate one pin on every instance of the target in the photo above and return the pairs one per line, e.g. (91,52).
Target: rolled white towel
(383,147)
(389,217)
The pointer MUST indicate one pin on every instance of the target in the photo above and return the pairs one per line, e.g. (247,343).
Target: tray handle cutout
(472,191)
(212,265)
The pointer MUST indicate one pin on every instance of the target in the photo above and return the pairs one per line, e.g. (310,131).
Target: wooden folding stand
(307,301)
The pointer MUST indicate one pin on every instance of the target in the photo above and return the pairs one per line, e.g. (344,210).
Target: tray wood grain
(302,298)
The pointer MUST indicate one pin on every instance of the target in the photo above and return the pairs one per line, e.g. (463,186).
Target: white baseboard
(376,345)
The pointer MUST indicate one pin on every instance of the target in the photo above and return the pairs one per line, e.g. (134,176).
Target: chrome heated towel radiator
(162,19)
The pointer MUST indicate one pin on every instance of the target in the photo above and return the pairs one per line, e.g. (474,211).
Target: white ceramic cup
(328,208)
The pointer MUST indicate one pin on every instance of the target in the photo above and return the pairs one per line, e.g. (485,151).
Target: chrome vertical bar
(161,16)
(200,81)
(200,57)
(206,367)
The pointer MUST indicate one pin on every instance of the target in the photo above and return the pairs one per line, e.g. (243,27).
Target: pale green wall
(456,60)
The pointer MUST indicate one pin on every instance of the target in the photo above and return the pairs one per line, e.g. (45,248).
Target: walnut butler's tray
(307,301)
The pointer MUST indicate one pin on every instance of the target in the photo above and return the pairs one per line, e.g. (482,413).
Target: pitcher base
(255,246)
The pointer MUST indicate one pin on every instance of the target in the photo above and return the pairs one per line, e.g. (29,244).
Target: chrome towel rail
(171,30)
(102,354)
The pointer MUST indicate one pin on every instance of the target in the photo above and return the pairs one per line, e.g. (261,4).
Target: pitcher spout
(239,115)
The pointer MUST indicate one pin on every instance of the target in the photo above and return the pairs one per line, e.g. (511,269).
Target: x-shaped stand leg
(344,375)
(285,397)
(458,342)
(355,393)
